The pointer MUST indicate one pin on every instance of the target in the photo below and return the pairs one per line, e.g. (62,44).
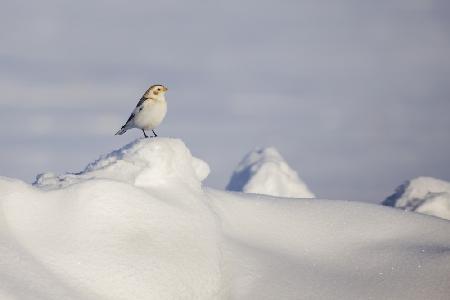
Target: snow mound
(264,171)
(143,162)
(132,225)
(137,224)
(425,195)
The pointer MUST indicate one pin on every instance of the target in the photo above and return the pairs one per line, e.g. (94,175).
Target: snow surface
(137,224)
(264,171)
(426,195)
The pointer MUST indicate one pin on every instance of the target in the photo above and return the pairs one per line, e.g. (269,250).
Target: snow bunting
(149,112)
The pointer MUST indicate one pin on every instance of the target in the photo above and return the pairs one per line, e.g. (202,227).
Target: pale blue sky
(354,94)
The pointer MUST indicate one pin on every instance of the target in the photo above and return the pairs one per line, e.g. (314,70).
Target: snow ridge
(138,224)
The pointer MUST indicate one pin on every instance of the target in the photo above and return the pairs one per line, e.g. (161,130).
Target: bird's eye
(159,89)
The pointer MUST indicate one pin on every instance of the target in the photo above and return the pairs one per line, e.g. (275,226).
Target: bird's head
(156,92)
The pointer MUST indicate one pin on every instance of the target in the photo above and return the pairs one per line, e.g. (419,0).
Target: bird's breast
(149,115)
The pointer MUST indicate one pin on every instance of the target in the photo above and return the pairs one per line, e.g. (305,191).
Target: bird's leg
(146,136)
(154,133)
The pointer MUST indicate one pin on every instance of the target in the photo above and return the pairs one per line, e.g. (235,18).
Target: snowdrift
(264,171)
(426,195)
(137,224)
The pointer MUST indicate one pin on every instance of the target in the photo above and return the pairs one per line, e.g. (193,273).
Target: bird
(149,112)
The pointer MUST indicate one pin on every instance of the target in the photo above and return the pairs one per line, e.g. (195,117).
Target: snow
(140,163)
(264,171)
(425,195)
(138,224)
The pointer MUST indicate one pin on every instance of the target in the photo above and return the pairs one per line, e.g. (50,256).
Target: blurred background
(354,94)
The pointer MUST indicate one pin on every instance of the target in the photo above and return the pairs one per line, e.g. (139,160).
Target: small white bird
(149,112)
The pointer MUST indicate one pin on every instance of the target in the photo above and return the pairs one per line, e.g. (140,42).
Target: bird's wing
(135,110)
(141,101)
(129,119)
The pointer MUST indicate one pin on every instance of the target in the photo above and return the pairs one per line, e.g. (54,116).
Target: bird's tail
(121,131)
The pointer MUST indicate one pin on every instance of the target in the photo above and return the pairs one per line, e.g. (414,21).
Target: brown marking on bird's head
(155,90)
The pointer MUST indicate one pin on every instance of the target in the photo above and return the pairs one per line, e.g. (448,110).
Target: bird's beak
(165,89)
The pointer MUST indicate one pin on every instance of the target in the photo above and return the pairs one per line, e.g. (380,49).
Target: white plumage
(149,112)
